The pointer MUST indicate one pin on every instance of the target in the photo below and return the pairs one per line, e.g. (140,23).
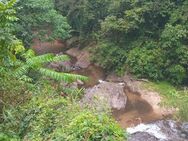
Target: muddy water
(94,73)
(137,110)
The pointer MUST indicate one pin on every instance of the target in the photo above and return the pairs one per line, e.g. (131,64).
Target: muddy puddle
(137,110)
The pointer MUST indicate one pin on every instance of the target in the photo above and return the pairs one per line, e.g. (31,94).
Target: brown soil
(56,46)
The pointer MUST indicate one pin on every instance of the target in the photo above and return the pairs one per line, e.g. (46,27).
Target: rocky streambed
(136,109)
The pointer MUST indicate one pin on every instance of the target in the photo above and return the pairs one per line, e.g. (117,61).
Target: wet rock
(72,42)
(83,60)
(73,85)
(184,130)
(164,130)
(82,56)
(74,52)
(114,78)
(142,136)
(61,66)
(106,95)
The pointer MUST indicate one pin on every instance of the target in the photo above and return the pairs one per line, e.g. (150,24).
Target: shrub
(146,63)
(109,56)
(88,126)
(176,74)
(91,126)
(47,116)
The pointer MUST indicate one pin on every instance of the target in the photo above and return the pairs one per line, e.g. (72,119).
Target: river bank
(142,106)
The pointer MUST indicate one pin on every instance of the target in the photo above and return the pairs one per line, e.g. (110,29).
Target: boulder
(163,130)
(142,136)
(106,95)
(83,60)
(72,42)
(82,57)
(61,66)
(74,52)
(184,129)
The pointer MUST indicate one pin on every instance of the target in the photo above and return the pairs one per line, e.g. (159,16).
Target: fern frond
(61,58)
(26,78)
(18,63)
(19,72)
(66,77)
(29,54)
(46,58)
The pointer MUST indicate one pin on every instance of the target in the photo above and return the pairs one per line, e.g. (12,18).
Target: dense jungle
(93,70)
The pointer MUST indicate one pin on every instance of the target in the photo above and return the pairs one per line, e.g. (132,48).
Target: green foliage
(38,110)
(152,33)
(173,35)
(39,19)
(9,44)
(4,137)
(14,57)
(146,63)
(88,126)
(109,56)
(36,63)
(47,116)
(176,74)
(66,77)
(84,15)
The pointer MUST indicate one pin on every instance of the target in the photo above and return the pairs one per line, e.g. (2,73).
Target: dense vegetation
(147,38)
(31,104)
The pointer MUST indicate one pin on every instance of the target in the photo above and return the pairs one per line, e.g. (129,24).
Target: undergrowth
(48,115)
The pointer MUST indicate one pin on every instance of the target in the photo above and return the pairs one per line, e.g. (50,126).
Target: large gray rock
(184,129)
(164,130)
(142,136)
(106,95)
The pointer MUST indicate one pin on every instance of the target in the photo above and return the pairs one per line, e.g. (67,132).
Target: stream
(137,110)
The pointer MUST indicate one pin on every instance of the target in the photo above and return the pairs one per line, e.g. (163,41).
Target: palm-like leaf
(61,58)
(37,62)
(67,77)
(46,58)
(21,71)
